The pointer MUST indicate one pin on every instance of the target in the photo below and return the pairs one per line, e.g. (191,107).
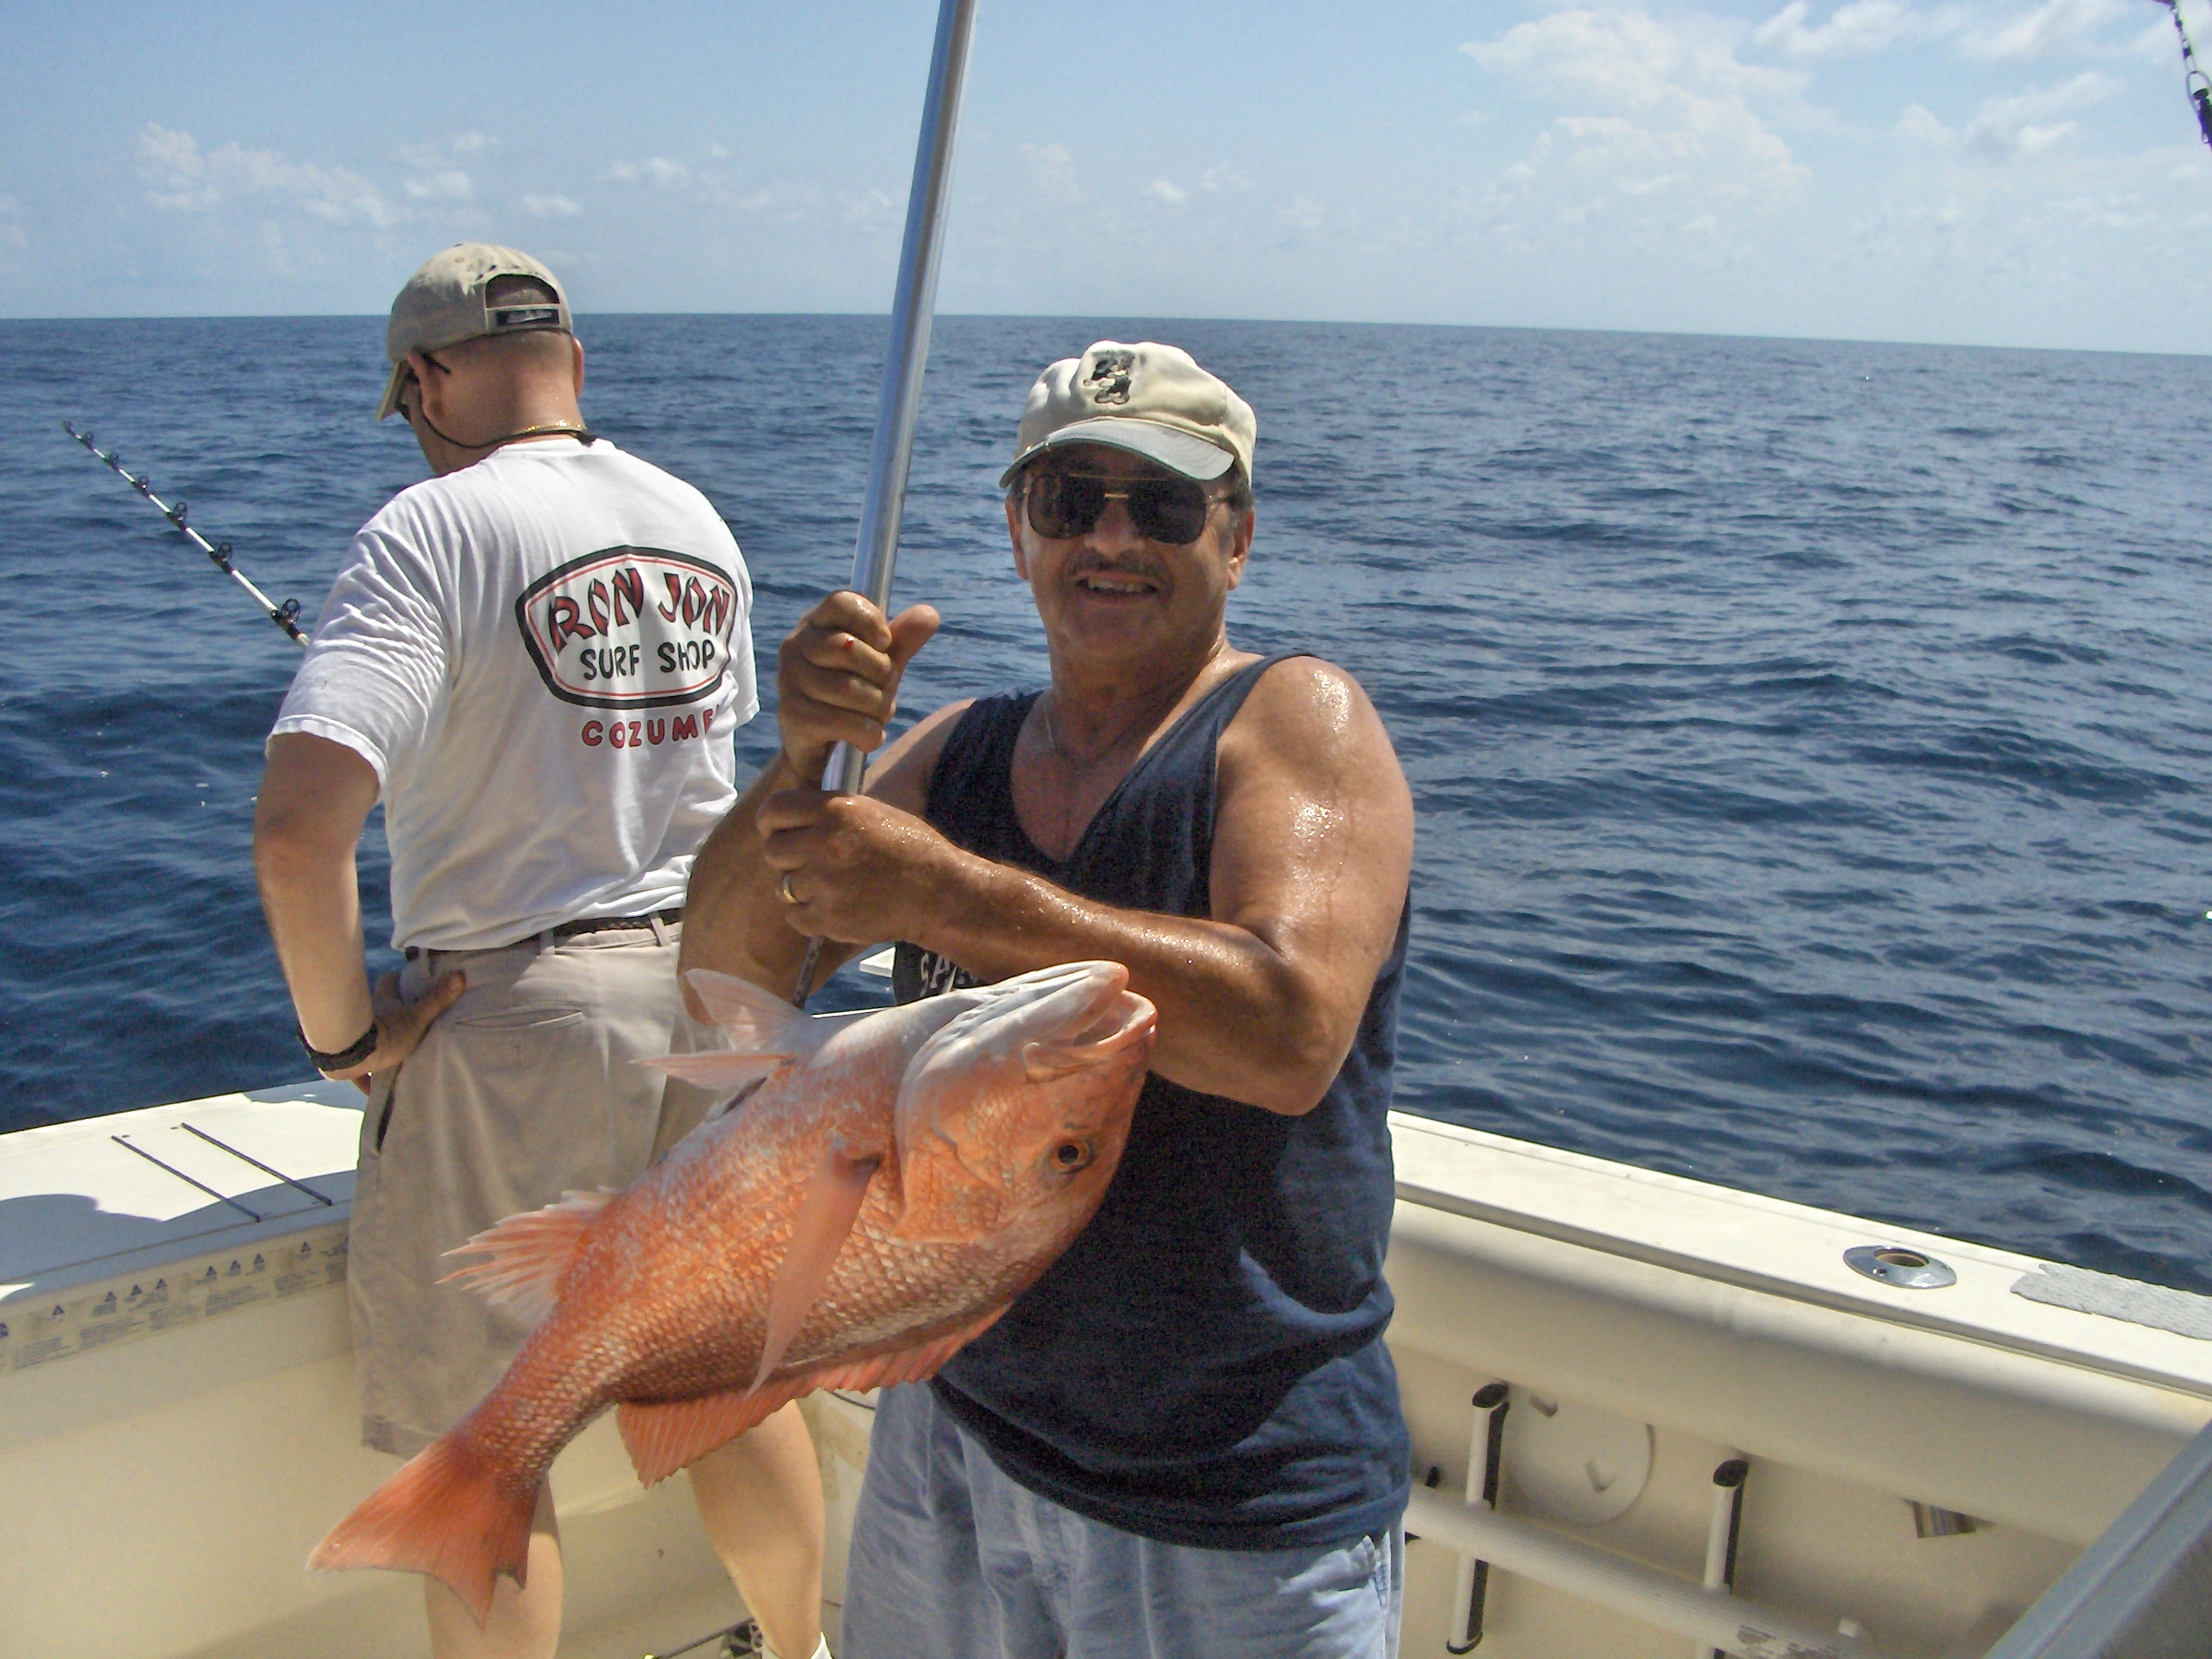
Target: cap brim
(1179,451)
(393,387)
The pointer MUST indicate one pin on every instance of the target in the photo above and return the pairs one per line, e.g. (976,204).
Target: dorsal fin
(718,1070)
(765,1034)
(662,1440)
(756,1020)
(527,1255)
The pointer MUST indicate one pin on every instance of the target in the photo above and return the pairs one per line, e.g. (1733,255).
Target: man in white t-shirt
(534,660)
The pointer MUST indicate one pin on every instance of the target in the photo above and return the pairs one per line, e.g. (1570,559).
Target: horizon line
(377,316)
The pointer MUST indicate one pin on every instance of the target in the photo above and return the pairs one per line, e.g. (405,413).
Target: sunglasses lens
(1064,504)
(1168,510)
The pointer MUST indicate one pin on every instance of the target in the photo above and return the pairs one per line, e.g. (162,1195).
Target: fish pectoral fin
(527,1255)
(661,1440)
(832,1203)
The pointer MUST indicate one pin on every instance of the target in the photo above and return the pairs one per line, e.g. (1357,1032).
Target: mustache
(1122,564)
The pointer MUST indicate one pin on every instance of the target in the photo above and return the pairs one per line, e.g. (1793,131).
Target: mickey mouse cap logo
(1109,376)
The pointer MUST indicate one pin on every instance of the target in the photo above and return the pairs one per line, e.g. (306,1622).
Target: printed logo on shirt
(630,627)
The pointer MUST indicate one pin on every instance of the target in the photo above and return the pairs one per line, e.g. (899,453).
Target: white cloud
(717,152)
(430,155)
(1629,57)
(180,178)
(1918,122)
(447,184)
(1051,172)
(1224,177)
(1171,194)
(2031,122)
(1657,110)
(550,208)
(657,170)
(2054,27)
(1859,26)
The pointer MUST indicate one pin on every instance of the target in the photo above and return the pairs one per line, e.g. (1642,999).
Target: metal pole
(899,403)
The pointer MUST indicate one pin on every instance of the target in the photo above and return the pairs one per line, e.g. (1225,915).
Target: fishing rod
(285,615)
(2194,79)
(899,404)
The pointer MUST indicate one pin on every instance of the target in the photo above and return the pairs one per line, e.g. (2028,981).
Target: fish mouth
(1127,1019)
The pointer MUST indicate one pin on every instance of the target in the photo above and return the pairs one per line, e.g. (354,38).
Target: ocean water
(1810,741)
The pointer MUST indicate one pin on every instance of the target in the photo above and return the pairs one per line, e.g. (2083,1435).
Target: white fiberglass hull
(177,1421)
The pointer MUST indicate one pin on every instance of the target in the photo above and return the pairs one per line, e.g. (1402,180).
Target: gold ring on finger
(784,889)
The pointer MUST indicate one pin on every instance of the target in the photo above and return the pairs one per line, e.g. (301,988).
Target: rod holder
(1485,1457)
(1722,1532)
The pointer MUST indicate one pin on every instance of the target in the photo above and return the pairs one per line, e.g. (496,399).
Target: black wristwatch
(346,1058)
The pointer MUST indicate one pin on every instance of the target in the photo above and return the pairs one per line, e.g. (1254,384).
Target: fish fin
(447,1514)
(718,1069)
(906,1366)
(664,1438)
(755,1019)
(527,1255)
(765,1034)
(832,1200)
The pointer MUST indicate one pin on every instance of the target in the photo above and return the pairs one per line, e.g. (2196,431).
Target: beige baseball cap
(448,301)
(1150,399)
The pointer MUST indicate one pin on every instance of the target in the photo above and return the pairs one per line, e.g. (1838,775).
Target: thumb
(441,995)
(910,630)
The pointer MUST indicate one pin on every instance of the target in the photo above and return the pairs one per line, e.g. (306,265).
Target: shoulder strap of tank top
(1207,719)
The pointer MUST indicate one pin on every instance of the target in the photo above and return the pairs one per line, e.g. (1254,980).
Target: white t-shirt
(544,657)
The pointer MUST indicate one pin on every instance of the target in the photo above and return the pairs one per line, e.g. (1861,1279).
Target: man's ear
(1240,545)
(429,382)
(577,346)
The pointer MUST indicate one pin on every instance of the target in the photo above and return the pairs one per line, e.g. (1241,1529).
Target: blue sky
(2011,172)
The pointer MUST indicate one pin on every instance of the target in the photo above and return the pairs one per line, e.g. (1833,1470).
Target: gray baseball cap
(448,301)
(1150,399)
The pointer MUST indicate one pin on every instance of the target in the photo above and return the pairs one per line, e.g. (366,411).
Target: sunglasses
(1173,511)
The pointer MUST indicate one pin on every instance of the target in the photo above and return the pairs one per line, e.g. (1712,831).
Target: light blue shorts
(953,1560)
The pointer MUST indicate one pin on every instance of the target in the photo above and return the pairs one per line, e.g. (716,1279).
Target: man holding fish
(1184,1437)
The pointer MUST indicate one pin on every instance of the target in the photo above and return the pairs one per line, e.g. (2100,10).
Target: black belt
(591,925)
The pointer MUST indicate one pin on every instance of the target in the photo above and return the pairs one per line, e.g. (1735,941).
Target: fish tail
(450,1513)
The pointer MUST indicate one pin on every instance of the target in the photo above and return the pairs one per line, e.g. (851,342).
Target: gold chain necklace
(1060,750)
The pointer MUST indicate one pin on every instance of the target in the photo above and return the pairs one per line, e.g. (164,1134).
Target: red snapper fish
(896,1179)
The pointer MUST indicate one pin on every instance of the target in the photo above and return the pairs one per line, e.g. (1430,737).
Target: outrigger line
(2194,79)
(285,615)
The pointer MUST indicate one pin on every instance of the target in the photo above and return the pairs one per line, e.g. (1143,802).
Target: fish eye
(1071,1154)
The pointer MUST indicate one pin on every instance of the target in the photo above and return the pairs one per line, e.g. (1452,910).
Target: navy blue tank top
(1204,1365)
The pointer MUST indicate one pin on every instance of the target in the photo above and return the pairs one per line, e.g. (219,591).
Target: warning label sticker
(35,1332)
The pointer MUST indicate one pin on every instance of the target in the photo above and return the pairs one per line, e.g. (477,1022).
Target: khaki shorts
(526,1088)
